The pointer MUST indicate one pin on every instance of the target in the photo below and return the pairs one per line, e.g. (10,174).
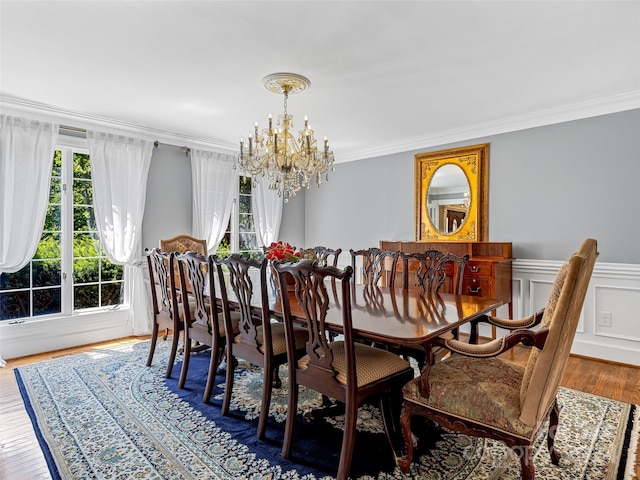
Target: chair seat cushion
(494,402)
(372,364)
(278,341)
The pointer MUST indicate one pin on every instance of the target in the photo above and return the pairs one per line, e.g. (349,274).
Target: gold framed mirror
(451,194)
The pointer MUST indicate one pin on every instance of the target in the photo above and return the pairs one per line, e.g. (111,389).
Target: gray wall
(549,188)
(167,209)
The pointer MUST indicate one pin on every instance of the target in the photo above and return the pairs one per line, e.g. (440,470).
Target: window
(240,236)
(69,271)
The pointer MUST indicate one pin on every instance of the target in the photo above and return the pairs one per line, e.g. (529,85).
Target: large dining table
(397,316)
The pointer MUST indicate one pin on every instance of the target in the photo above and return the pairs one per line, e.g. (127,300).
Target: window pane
(85,296)
(19,279)
(245,204)
(246,222)
(84,245)
(83,218)
(111,293)
(81,166)
(86,270)
(46,273)
(245,185)
(82,192)
(52,220)
(49,246)
(111,271)
(248,241)
(46,301)
(55,194)
(14,305)
(56,171)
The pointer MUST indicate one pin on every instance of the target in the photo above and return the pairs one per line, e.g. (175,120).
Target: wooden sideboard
(487,273)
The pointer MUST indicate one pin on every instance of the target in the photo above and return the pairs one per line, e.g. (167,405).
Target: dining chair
(259,341)
(475,393)
(324,256)
(374,262)
(203,318)
(165,309)
(435,269)
(345,370)
(184,243)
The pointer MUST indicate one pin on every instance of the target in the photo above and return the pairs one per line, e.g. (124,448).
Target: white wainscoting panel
(614,292)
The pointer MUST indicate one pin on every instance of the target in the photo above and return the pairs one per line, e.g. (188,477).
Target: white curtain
(214,181)
(26,158)
(267,213)
(119,170)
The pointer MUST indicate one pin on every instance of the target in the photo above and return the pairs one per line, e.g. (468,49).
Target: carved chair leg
(406,413)
(152,347)
(390,408)
(348,439)
(267,385)
(525,453)
(185,361)
(172,355)
(276,382)
(228,384)
(166,334)
(216,358)
(554,418)
(292,409)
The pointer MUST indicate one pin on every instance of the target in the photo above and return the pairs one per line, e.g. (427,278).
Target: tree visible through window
(43,286)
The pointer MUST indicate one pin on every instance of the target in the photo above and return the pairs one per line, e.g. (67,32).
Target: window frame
(68,145)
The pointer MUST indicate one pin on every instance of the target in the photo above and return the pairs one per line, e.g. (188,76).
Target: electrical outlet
(604,319)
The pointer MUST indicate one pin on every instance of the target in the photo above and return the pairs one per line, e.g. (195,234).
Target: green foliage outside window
(37,288)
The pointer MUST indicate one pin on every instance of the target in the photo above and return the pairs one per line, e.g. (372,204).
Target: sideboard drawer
(481,269)
(477,286)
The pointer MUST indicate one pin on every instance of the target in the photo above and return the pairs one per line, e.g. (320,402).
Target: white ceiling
(386,76)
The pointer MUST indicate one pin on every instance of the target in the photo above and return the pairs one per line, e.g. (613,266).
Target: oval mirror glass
(448,198)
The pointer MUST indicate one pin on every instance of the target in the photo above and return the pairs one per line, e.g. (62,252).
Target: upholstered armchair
(476,393)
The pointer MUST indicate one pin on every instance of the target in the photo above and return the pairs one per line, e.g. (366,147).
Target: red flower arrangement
(284,252)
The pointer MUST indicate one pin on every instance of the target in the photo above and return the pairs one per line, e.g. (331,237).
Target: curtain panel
(119,170)
(266,205)
(214,181)
(26,159)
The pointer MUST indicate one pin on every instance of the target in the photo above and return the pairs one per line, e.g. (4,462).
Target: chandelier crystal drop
(288,162)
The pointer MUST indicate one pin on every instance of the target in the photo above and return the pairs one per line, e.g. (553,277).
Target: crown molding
(594,108)
(567,113)
(42,112)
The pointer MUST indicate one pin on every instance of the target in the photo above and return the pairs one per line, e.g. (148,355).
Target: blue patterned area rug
(104,415)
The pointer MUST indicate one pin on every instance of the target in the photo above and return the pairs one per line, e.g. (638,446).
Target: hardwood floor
(22,459)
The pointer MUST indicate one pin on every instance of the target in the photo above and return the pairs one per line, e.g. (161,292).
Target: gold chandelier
(289,163)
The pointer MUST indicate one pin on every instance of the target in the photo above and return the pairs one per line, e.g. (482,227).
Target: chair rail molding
(608,327)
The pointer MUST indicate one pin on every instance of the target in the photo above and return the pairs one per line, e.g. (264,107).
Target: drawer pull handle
(474,269)
(474,290)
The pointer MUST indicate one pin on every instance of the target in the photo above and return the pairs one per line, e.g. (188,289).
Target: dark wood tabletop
(394,316)
(399,316)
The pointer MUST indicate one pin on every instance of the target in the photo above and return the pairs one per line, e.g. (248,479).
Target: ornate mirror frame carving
(474,162)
